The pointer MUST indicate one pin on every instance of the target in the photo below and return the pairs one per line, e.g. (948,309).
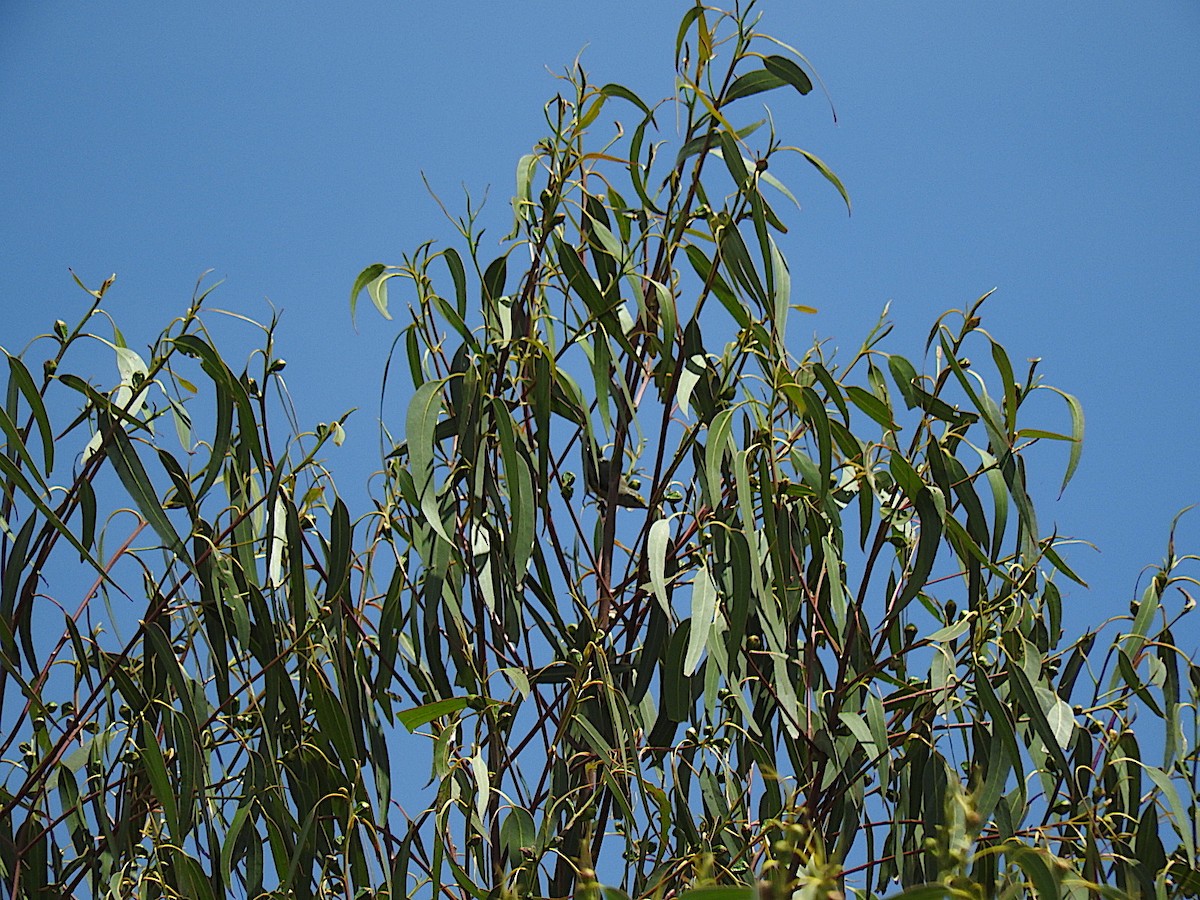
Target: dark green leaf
(872,406)
(459,275)
(752,83)
(137,483)
(787,70)
(616,90)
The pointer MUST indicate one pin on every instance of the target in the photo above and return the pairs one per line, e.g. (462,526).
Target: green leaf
(1004,368)
(526,166)
(424,410)
(24,382)
(732,157)
(905,377)
(710,275)
(752,83)
(1059,715)
(160,782)
(518,832)
(815,413)
(927,546)
(414,718)
(229,845)
(1057,561)
(459,275)
(684,24)
(580,281)
(1076,436)
(736,258)
(230,390)
(494,279)
(833,576)
(377,291)
(952,631)
(830,177)
(862,733)
(1179,817)
(704,608)
(137,484)
(483,790)
(617,90)
(1129,674)
(872,406)
(1034,706)
(194,882)
(782,289)
(15,446)
(657,540)
(333,723)
(1041,874)
(365,277)
(714,454)
(787,70)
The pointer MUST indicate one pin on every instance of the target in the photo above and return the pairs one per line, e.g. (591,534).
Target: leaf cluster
(681,611)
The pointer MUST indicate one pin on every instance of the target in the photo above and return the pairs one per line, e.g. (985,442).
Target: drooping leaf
(787,70)
(704,607)
(657,541)
(365,277)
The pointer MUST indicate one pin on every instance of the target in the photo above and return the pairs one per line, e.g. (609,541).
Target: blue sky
(1047,150)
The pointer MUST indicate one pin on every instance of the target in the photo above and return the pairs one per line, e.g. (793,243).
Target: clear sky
(1047,150)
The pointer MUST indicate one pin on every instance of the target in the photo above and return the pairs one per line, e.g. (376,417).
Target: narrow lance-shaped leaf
(414,718)
(787,70)
(829,176)
(424,410)
(1077,425)
(15,447)
(927,547)
(704,608)
(24,382)
(137,483)
(714,453)
(657,540)
(751,83)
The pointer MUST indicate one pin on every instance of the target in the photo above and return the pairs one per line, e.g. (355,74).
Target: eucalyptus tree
(681,609)
(690,607)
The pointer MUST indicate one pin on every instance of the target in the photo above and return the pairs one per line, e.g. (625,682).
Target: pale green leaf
(365,277)
(714,453)
(483,789)
(951,631)
(657,541)
(704,608)
(377,291)
(689,377)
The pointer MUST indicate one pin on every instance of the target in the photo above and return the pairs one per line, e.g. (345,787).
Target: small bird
(598,475)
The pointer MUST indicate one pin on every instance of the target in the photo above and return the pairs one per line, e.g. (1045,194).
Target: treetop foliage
(681,610)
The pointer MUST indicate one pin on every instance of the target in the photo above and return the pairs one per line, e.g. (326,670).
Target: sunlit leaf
(704,607)
(365,277)
(657,540)
(414,718)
